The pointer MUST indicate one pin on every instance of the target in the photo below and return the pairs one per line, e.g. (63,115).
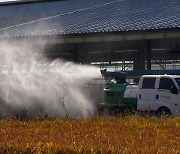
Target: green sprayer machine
(118,95)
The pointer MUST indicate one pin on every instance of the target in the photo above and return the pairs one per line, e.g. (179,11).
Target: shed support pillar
(148,46)
(139,61)
(75,53)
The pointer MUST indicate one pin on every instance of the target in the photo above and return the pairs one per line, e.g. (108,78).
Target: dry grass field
(130,134)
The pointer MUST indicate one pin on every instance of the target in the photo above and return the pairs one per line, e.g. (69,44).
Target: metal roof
(87,16)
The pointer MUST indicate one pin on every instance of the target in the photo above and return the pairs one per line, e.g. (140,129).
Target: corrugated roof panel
(84,16)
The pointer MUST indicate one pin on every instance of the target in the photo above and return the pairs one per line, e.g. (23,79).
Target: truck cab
(159,93)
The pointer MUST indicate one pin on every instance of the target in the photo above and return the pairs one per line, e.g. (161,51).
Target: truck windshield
(178,81)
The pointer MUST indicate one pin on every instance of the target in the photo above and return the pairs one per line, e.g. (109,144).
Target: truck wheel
(163,111)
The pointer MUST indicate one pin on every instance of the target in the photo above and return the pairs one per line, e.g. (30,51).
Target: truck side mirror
(174,90)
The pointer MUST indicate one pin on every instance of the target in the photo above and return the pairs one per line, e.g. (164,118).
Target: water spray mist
(31,82)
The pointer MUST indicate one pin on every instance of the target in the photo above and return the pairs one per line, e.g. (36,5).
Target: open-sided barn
(104,31)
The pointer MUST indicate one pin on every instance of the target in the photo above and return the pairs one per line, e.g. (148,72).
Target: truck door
(147,94)
(165,96)
(178,102)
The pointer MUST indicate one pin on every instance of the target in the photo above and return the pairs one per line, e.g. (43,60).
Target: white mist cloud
(30,81)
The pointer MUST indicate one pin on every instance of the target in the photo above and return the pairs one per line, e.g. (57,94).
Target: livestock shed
(108,33)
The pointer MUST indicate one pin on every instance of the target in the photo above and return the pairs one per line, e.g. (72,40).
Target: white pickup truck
(159,93)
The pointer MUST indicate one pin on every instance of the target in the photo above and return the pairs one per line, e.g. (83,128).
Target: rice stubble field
(128,134)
